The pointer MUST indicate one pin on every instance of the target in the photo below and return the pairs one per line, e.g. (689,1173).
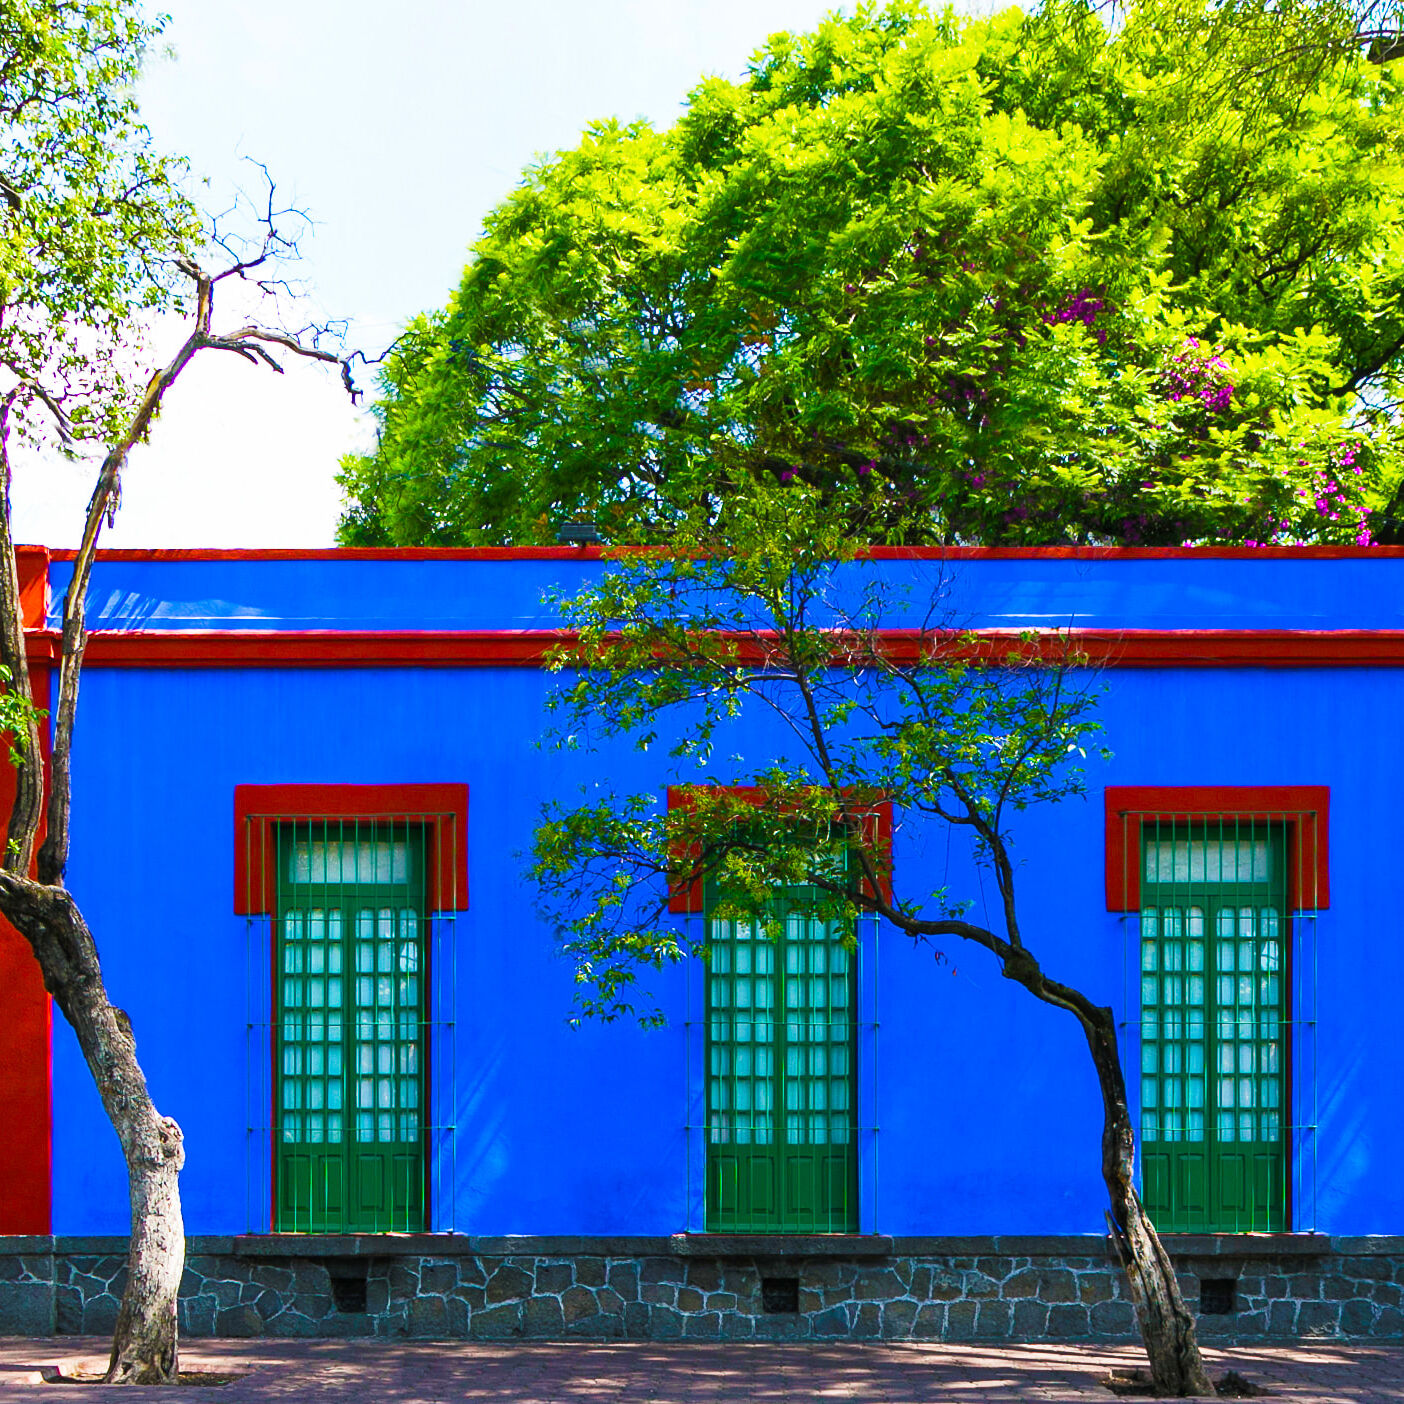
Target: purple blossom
(1189,375)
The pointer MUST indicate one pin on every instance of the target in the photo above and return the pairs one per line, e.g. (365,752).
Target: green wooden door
(781,1148)
(349,1055)
(1214,1028)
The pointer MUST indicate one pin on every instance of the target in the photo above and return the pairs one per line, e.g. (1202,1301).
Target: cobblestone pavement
(695,1373)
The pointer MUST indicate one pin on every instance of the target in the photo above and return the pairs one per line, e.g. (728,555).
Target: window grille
(779,1045)
(1221,1025)
(350,1029)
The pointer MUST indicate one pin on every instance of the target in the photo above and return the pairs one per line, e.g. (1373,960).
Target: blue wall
(985,1102)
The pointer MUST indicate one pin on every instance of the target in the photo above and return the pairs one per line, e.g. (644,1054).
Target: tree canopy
(1026,279)
(92,218)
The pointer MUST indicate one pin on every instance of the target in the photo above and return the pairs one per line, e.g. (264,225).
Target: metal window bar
(351,985)
(1219,1026)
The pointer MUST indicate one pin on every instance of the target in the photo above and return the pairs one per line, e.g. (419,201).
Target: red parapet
(874,553)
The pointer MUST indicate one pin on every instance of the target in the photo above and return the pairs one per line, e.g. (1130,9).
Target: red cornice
(398,648)
(877,553)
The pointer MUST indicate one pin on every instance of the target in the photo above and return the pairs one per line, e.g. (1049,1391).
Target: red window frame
(259,809)
(443,809)
(686,896)
(1304,809)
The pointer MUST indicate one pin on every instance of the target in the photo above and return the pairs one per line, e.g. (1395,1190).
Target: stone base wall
(713,1287)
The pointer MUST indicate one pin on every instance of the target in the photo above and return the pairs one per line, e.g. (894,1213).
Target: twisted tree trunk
(1167,1328)
(144,1347)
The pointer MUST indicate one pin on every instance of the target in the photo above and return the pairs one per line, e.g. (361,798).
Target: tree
(1028,279)
(94,233)
(781,617)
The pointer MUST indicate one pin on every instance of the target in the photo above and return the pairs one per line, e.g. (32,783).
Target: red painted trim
(1218,648)
(393,648)
(1305,809)
(349,648)
(876,553)
(687,897)
(1129,553)
(345,553)
(257,808)
(26,1048)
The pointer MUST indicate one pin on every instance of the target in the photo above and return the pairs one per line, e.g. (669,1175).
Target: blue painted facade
(978,1107)
(455,590)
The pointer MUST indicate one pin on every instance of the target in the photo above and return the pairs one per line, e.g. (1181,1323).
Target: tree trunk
(144,1348)
(1167,1328)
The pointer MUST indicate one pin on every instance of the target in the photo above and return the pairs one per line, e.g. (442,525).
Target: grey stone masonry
(707,1287)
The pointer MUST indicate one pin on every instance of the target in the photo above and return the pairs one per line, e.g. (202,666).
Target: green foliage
(16,714)
(782,619)
(1015,280)
(90,216)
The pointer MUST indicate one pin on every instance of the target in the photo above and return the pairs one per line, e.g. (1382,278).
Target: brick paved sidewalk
(389,1372)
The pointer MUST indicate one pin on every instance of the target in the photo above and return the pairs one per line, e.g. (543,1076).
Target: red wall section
(26,1084)
(33,566)
(26,1157)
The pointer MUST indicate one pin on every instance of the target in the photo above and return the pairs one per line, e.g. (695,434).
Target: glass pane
(353,863)
(1172,1038)
(383,946)
(1208,860)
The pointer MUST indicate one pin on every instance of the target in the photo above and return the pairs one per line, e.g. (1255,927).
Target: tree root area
(186,1377)
(1230,1385)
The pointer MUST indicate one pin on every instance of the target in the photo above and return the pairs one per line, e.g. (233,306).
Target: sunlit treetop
(1026,279)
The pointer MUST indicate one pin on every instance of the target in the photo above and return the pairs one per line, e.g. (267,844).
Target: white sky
(396,127)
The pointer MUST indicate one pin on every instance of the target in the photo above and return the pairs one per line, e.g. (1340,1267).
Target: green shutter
(1213,957)
(349,1055)
(781,1144)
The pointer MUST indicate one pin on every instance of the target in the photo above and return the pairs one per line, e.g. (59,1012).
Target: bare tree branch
(250,341)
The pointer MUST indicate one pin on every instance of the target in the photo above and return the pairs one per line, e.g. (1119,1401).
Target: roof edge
(593,553)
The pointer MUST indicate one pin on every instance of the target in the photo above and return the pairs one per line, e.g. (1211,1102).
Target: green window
(349,1092)
(1214,1056)
(781,1144)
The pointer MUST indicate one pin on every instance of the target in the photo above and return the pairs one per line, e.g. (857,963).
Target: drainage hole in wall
(1217,1296)
(780,1296)
(348,1287)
